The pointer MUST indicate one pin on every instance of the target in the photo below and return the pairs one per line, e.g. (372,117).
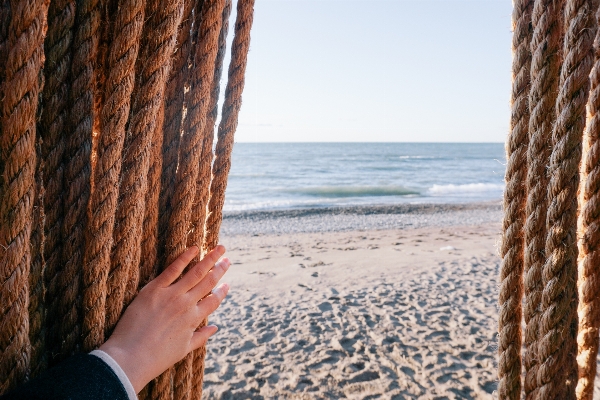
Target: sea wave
(356,191)
(469,188)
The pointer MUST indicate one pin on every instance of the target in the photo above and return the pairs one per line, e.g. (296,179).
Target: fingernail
(226,263)
(196,249)
(225,287)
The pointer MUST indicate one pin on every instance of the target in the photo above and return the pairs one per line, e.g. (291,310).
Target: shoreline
(360,217)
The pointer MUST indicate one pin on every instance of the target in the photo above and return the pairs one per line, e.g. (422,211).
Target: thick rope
(103,201)
(20,90)
(589,240)
(511,274)
(4,24)
(173,116)
(227,127)
(190,149)
(53,123)
(148,267)
(229,121)
(77,170)
(558,321)
(545,67)
(37,306)
(160,32)
(173,110)
(196,235)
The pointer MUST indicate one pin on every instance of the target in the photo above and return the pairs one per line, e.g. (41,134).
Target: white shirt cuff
(118,371)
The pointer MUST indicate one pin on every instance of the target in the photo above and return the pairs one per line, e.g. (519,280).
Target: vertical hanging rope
(558,322)
(511,274)
(77,171)
(20,90)
(159,35)
(196,234)
(173,116)
(229,120)
(150,231)
(103,202)
(589,240)
(201,76)
(53,123)
(227,127)
(37,328)
(545,67)
(4,23)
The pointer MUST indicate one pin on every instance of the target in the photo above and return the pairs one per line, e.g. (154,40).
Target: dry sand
(338,304)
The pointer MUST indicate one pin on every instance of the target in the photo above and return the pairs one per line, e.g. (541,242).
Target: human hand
(159,327)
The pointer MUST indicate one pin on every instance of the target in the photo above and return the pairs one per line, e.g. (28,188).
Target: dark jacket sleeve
(82,376)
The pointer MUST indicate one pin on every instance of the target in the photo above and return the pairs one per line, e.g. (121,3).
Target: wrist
(129,364)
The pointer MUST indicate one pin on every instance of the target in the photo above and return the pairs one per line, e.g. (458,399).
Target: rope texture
(589,241)
(558,321)
(201,77)
(545,67)
(20,90)
(196,235)
(77,169)
(227,127)
(229,121)
(511,274)
(150,230)
(37,307)
(154,63)
(173,116)
(103,201)
(53,123)
(198,217)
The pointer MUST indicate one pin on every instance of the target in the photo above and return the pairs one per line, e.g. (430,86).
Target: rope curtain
(552,214)
(106,165)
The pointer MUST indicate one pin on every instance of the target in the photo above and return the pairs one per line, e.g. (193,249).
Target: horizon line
(358,142)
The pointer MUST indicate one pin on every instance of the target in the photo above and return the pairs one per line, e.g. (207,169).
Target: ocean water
(267,176)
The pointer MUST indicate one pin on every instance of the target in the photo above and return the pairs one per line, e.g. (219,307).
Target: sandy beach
(364,303)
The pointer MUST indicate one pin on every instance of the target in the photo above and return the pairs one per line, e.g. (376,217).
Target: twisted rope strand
(198,215)
(196,235)
(589,240)
(148,267)
(77,167)
(103,201)
(197,101)
(545,67)
(37,307)
(159,40)
(18,109)
(558,321)
(53,123)
(227,127)
(229,120)
(173,111)
(167,28)
(511,274)
(173,116)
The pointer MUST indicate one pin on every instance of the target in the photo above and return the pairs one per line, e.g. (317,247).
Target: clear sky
(383,71)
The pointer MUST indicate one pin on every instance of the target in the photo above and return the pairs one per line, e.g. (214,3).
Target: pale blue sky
(396,70)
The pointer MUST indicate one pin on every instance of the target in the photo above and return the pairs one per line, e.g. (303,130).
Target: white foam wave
(466,189)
